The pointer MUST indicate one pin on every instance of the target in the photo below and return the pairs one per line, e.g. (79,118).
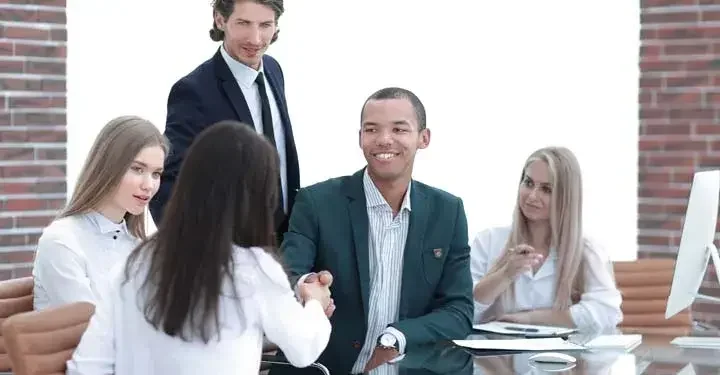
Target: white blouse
(74,254)
(599,306)
(120,341)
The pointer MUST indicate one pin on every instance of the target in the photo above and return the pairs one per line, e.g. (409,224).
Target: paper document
(625,342)
(525,330)
(697,342)
(531,345)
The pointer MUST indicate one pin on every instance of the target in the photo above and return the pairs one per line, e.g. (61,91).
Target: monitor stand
(715,256)
(704,342)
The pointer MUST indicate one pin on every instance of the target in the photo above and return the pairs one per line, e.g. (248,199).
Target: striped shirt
(387,236)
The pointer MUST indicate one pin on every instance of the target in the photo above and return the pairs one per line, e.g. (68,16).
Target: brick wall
(679,120)
(32,126)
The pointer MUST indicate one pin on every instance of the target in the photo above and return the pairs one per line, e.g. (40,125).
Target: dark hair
(225,195)
(400,93)
(226,8)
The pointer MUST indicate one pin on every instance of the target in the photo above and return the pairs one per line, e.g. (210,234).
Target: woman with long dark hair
(198,296)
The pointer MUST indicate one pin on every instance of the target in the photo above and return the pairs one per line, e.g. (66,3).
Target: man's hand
(324,279)
(380,355)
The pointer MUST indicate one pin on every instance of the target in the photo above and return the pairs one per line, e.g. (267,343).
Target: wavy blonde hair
(114,150)
(565,226)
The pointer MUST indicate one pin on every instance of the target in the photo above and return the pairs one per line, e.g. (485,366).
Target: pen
(522,329)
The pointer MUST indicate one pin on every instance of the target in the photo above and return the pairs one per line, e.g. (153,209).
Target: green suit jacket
(328,230)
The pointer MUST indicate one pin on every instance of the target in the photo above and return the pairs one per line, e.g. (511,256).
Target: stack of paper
(525,345)
(524,330)
(624,342)
(697,342)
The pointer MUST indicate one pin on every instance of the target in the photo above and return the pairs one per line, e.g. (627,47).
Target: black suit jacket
(210,94)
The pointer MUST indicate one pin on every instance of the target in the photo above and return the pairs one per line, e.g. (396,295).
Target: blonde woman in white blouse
(542,270)
(105,218)
(198,296)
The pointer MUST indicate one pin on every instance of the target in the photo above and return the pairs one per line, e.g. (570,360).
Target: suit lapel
(412,257)
(359,224)
(232,90)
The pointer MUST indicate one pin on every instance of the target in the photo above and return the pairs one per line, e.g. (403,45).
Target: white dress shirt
(245,77)
(76,253)
(120,341)
(387,237)
(599,306)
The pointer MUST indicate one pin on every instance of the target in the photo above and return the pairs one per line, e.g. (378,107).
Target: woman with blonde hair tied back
(542,269)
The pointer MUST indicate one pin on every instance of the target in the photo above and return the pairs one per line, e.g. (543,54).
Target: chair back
(645,287)
(41,342)
(16,296)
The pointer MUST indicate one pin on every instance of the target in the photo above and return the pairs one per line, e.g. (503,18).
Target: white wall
(497,84)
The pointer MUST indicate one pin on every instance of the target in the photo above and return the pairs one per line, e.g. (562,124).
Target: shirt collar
(374,198)
(105,225)
(244,74)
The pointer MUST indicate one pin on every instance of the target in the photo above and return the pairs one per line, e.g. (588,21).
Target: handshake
(317,286)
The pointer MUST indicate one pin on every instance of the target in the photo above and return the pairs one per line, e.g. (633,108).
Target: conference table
(655,355)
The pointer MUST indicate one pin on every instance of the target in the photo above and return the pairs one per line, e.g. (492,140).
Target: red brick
(39,118)
(710,15)
(644,4)
(663,191)
(16,171)
(11,66)
(53,136)
(661,66)
(42,16)
(14,153)
(689,81)
(40,50)
(655,240)
(668,223)
(653,51)
(33,221)
(678,32)
(673,209)
(17,257)
(6,49)
(32,204)
(41,67)
(675,99)
(712,99)
(32,188)
(653,83)
(707,129)
(647,18)
(660,160)
(688,49)
(52,3)
(6,222)
(14,32)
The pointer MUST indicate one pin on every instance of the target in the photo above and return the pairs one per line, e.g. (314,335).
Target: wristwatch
(388,341)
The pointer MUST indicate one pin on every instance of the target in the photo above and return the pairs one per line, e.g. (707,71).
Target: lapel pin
(437,252)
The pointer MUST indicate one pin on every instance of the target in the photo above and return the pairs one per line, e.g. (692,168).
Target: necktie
(268,131)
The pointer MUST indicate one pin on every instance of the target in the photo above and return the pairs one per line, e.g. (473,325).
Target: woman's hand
(519,260)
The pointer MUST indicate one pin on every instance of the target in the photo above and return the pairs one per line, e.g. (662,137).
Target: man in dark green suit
(395,249)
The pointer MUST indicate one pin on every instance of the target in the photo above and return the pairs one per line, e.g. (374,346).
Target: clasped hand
(317,286)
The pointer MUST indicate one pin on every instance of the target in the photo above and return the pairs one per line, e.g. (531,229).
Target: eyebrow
(144,165)
(527,176)
(396,122)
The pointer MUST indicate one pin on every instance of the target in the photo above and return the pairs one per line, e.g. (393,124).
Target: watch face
(387,340)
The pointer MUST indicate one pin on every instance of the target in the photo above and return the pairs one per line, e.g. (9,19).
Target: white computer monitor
(696,244)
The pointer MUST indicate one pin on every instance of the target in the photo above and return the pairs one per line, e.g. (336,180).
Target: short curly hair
(226,7)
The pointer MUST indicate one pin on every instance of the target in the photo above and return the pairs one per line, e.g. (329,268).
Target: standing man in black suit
(240,82)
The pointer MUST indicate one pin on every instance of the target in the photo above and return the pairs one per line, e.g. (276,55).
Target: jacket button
(356,344)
